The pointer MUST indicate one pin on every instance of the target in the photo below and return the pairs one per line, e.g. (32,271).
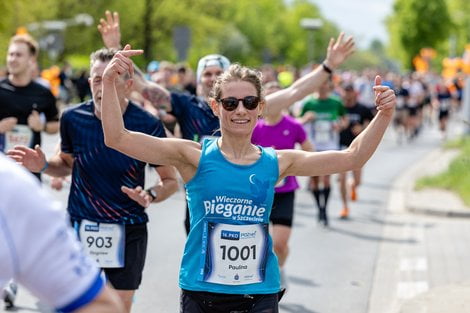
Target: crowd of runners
(237,137)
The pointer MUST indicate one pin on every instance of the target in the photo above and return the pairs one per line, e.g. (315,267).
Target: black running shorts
(129,277)
(282,212)
(205,302)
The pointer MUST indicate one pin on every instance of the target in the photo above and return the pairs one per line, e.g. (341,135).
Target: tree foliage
(460,12)
(417,24)
(249,32)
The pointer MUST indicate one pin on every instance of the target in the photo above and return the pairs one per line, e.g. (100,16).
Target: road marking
(413,264)
(408,290)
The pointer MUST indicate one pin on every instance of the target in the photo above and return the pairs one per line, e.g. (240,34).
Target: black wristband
(152,193)
(326,68)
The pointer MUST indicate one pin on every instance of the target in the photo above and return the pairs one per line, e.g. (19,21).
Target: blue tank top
(229,249)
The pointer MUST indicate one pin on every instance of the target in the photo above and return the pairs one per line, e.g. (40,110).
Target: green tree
(417,24)
(460,13)
(293,40)
(249,32)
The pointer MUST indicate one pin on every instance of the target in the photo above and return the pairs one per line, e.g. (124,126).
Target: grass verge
(457,176)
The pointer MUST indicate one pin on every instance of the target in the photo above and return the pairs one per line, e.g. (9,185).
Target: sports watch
(152,193)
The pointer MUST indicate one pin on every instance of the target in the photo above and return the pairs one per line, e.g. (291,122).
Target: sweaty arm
(337,52)
(158,96)
(301,163)
(153,150)
(40,251)
(60,165)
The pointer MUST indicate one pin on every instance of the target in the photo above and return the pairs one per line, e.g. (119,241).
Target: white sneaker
(9,295)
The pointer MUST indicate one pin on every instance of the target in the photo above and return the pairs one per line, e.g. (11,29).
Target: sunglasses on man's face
(231,103)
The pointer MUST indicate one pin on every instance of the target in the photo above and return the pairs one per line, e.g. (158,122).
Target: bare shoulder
(286,159)
(183,150)
(190,152)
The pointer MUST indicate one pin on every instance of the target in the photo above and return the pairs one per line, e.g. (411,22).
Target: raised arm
(337,51)
(183,154)
(157,95)
(110,31)
(300,163)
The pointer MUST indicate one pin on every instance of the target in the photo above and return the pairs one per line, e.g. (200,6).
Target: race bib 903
(103,242)
(234,254)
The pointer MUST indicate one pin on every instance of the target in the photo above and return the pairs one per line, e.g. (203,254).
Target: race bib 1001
(103,242)
(234,254)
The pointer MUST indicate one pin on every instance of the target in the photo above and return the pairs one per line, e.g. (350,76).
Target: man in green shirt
(322,117)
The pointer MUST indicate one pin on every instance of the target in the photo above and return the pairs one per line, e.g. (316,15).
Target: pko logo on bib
(230,235)
(92,228)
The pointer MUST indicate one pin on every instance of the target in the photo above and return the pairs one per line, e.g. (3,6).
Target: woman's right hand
(120,64)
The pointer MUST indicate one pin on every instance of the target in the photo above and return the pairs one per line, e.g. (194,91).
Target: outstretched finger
(116,19)
(109,17)
(128,48)
(128,52)
(349,44)
(13,153)
(103,24)
(340,39)
(17,159)
(331,43)
(128,191)
(377,82)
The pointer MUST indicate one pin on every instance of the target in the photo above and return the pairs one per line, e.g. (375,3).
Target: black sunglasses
(231,103)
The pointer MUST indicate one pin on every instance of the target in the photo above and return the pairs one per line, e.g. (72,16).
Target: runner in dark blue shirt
(99,172)
(194,115)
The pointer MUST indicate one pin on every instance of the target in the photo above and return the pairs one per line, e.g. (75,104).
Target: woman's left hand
(385,99)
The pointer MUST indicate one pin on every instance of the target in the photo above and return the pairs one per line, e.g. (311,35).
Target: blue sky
(364,19)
